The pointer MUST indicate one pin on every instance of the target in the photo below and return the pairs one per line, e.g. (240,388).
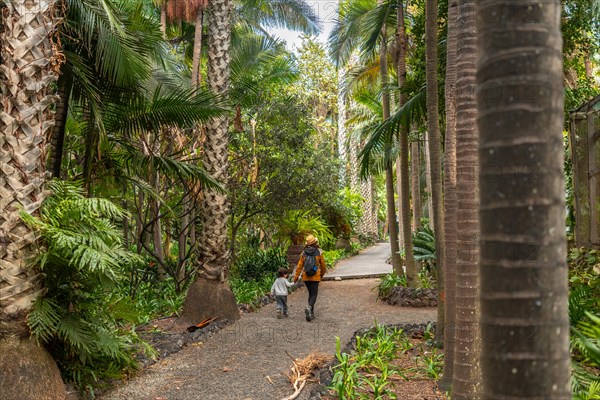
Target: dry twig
(302,371)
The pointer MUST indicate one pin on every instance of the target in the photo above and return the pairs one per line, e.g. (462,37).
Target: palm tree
(210,296)
(29,65)
(433,127)
(465,382)
(362,26)
(524,289)
(411,267)
(450,205)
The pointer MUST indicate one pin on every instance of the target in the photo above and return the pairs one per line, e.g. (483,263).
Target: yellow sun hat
(310,240)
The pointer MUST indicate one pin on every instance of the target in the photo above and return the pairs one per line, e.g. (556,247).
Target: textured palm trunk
(210,295)
(197,53)
(411,267)
(65,83)
(450,204)
(433,127)
(341,135)
(415,169)
(399,200)
(428,180)
(524,290)
(28,67)
(389,171)
(466,380)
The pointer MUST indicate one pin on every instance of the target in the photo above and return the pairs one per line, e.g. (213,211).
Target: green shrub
(248,292)
(333,256)
(424,247)
(388,282)
(82,319)
(255,264)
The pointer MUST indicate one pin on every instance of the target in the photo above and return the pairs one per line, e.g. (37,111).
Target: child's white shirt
(280,286)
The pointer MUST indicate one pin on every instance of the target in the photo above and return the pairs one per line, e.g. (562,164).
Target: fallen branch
(302,371)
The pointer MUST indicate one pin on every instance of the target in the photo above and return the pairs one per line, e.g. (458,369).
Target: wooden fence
(584,145)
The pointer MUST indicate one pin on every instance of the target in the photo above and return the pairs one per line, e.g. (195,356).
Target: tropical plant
(81,318)
(248,292)
(424,248)
(256,264)
(388,282)
(297,224)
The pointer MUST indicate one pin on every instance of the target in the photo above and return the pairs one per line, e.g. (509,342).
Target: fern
(80,319)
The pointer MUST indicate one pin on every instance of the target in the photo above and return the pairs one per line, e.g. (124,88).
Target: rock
(410,297)
(337,278)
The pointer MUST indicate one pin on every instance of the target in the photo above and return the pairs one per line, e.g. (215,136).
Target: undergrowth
(370,371)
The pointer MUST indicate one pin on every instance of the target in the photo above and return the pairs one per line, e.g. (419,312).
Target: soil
(248,359)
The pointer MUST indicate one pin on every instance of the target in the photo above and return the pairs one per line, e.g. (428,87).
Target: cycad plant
(78,319)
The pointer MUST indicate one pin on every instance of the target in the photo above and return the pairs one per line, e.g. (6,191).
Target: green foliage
(333,256)
(297,224)
(82,319)
(388,282)
(367,370)
(257,264)
(584,311)
(343,214)
(248,292)
(424,247)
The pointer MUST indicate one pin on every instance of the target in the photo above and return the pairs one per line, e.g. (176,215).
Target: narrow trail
(247,360)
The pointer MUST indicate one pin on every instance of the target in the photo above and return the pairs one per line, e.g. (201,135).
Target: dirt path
(246,360)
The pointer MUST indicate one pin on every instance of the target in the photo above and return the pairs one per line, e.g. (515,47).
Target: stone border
(410,297)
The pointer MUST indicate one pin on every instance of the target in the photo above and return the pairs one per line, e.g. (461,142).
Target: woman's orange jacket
(320,271)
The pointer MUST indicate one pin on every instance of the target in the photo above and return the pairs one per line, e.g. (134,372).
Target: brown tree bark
(450,204)
(28,66)
(524,292)
(210,295)
(466,379)
(415,169)
(389,171)
(433,127)
(411,267)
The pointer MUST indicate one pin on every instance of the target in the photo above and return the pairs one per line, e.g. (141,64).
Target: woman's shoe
(308,314)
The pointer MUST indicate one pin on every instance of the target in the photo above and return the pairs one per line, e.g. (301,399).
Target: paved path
(369,263)
(247,360)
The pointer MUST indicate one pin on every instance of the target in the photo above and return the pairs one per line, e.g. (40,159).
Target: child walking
(280,291)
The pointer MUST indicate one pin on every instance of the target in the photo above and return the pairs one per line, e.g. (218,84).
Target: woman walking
(312,266)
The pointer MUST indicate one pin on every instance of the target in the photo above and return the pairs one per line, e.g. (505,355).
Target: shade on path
(369,263)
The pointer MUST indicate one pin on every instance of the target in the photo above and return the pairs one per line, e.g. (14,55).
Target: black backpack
(310,263)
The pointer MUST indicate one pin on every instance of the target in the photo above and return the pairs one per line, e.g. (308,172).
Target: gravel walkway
(247,360)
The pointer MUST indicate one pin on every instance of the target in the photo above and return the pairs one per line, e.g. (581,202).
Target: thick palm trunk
(389,171)
(450,204)
(415,169)
(524,288)
(210,295)
(433,127)
(411,267)
(26,121)
(465,384)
